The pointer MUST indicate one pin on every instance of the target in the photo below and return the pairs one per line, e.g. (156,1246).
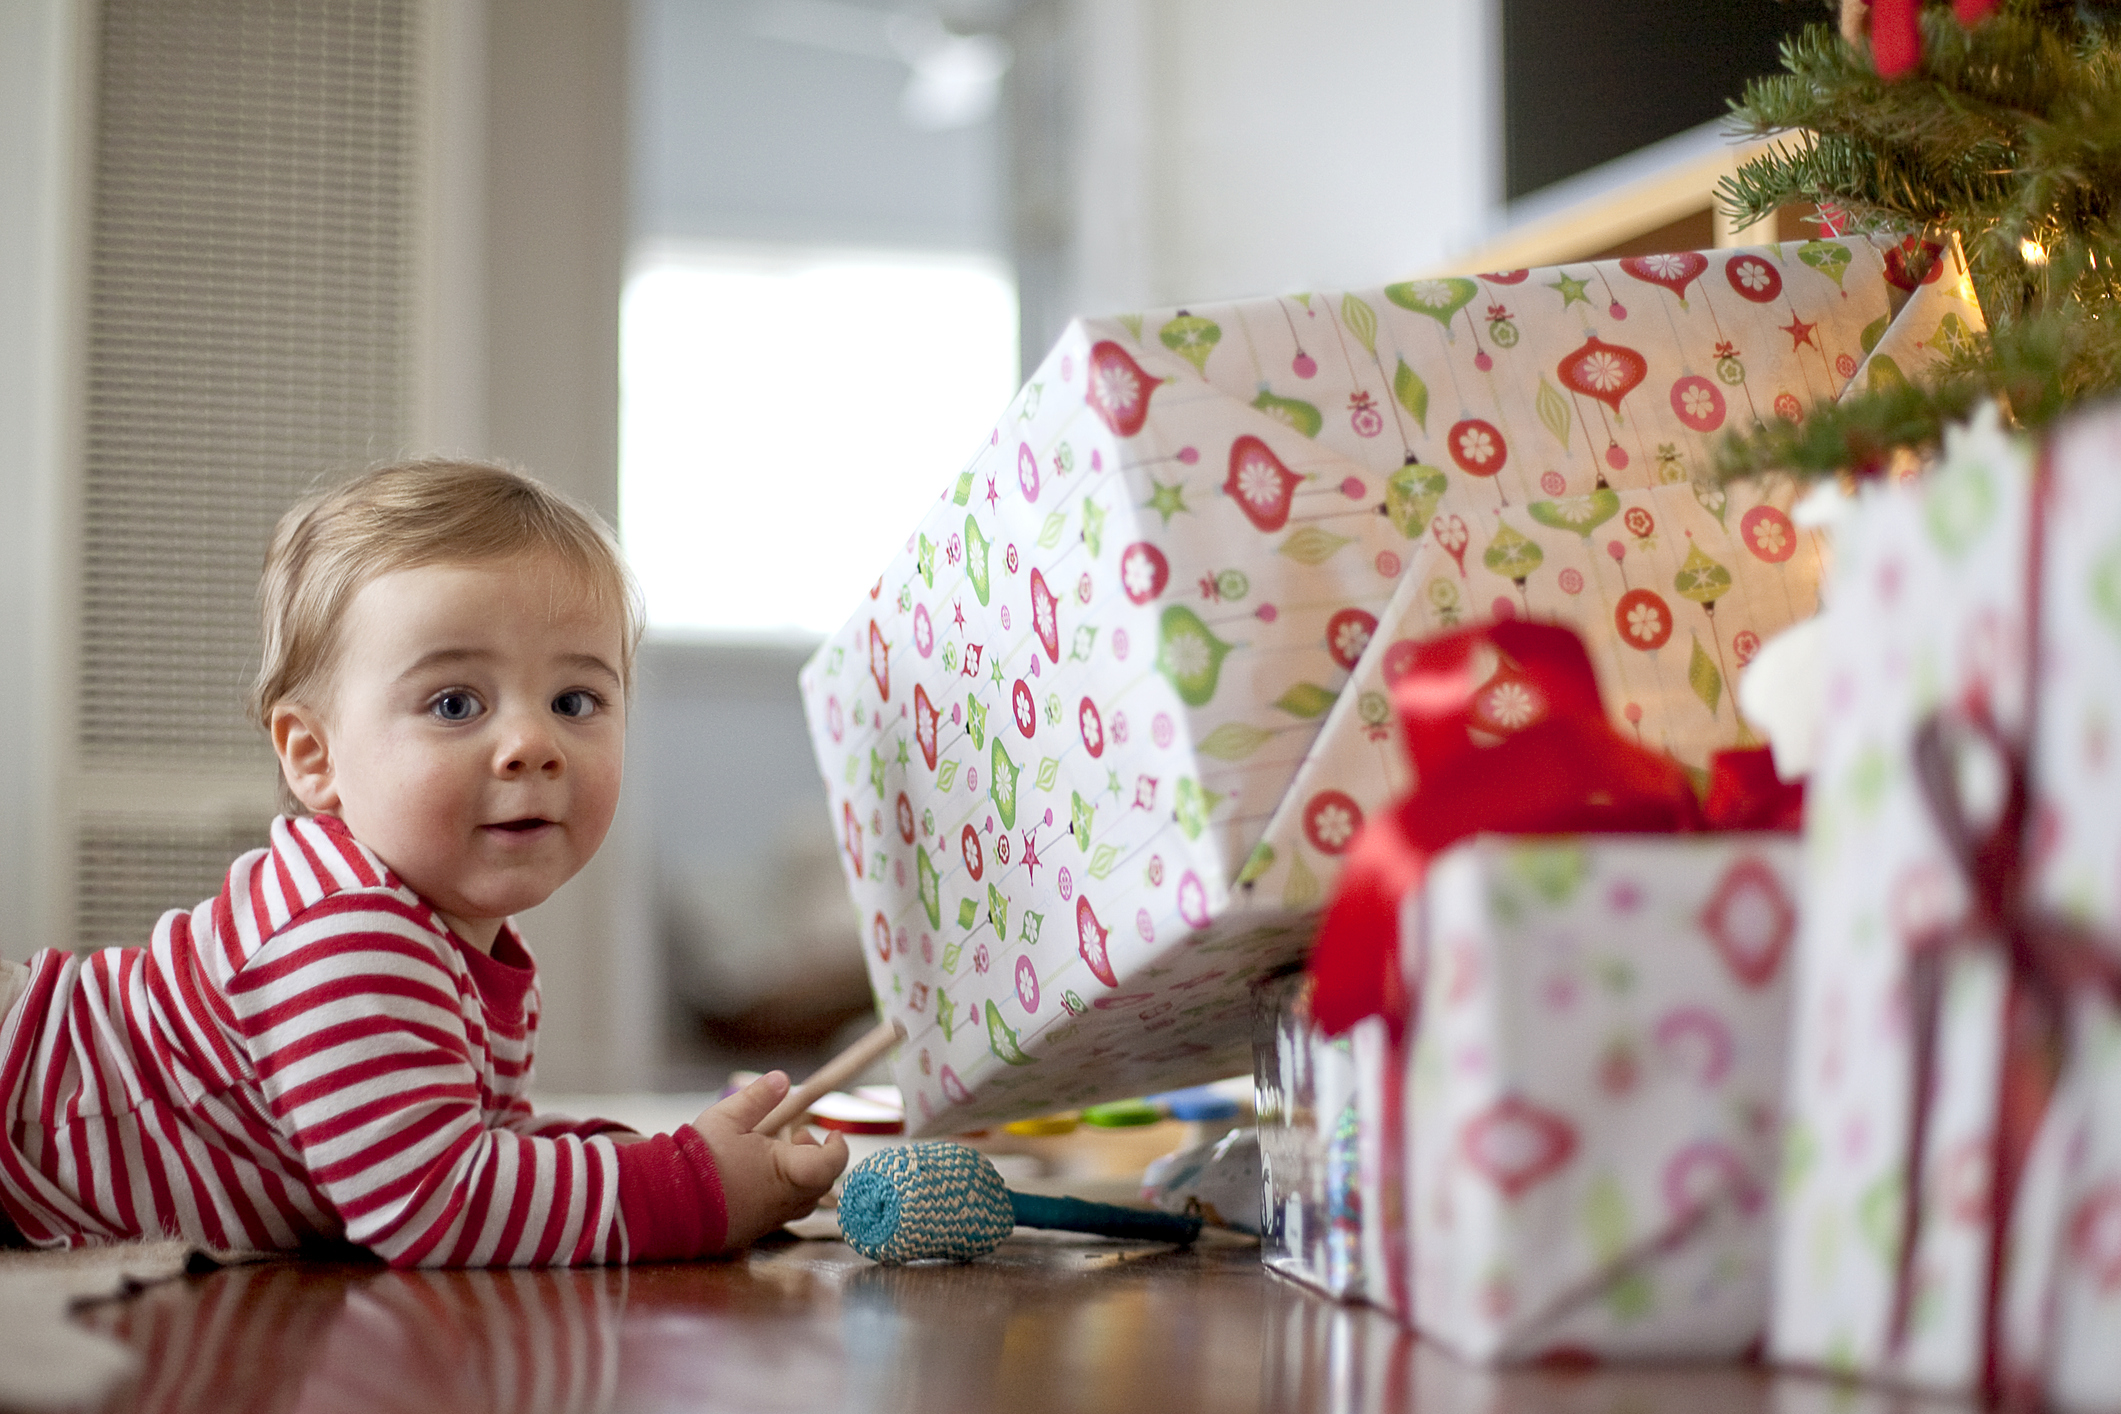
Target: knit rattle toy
(922,1202)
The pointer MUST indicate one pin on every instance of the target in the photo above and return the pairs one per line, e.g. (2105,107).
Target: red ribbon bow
(1525,749)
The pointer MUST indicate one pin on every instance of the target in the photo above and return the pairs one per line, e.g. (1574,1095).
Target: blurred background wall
(749,276)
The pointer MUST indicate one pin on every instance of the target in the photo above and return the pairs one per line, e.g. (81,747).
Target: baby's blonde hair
(401,517)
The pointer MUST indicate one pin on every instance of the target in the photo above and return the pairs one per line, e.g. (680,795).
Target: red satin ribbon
(1524,750)
(2050,963)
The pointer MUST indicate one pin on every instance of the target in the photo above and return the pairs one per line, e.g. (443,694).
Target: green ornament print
(1189,655)
(930,886)
(1582,514)
(1195,805)
(976,558)
(1002,787)
(975,722)
(1703,676)
(1411,497)
(1290,412)
(1825,257)
(1002,1041)
(1701,579)
(2106,587)
(1512,556)
(1961,504)
(1191,338)
(1439,299)
(1081,812)
(1412,393)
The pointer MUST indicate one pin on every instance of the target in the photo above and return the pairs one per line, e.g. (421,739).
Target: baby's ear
(305,756)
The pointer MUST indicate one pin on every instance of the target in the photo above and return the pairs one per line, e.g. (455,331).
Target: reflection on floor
(1060,1324)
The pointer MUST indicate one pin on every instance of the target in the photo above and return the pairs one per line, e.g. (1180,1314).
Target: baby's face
(473,733)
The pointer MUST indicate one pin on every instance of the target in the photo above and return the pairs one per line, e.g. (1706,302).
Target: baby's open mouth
(521,826)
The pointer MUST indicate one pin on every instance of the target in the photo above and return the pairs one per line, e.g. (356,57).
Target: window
(788,413)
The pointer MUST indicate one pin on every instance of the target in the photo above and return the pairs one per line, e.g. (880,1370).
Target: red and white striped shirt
(312,1054)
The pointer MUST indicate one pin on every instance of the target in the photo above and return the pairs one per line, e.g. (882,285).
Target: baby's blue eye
(575,704)
(455,707)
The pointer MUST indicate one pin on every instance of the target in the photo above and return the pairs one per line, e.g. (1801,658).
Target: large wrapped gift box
(1975,606)
(1092,743)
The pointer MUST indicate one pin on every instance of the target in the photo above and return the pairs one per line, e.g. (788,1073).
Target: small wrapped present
(1952,1206)
(1328,1109)
(1588,1024)
(1099,738)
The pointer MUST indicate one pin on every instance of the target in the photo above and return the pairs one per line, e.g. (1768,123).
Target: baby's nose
(531,749)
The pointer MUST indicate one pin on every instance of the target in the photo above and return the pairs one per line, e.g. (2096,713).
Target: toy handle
(1104,1219)
(831,1075)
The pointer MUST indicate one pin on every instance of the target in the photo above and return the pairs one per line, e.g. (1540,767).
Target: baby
(338,1045)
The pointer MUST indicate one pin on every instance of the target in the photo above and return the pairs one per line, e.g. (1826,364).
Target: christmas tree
(2000,124)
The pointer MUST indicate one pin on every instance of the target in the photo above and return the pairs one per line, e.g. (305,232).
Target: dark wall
(1587,82)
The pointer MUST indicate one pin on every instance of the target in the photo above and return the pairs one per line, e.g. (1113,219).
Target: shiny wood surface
(1074,1325)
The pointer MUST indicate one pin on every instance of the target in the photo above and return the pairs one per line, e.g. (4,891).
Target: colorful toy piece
(945,1202)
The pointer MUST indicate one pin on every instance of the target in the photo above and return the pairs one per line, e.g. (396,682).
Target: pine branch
(2007,134)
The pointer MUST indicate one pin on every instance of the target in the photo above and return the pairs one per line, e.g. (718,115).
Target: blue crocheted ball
(921,1202)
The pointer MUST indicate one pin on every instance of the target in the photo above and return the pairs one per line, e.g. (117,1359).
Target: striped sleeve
(355,1025)
(522,1119)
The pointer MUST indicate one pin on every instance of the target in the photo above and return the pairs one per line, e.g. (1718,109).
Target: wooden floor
(810,1326)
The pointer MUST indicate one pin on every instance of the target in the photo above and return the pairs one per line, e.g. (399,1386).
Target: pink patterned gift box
(1932,609)
(1099,737)
(1593,1092)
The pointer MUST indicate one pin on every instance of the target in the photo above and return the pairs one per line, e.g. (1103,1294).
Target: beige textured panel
(128,873)
(250,330)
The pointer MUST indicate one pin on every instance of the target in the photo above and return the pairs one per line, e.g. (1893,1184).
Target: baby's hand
(765,1181)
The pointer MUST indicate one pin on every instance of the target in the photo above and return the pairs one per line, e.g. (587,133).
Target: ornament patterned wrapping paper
(1930,602)
(1060,736)
(1593,1092)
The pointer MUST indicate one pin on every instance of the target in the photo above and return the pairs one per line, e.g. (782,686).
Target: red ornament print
(1263,488)
(1090,936)
(1698,402)
(1347,634)
(1119,390)
(926,723)
(1753,278)
(1092,726)
(879,661)
(1330,821)
(1644,619)
(1478,448)
(1143,572)
(1607,372)
(1045,616)
(1674,271)
(1768,533)
(1516,1145)
(1751,921)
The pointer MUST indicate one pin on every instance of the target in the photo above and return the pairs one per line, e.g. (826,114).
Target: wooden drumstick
(833,1074)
